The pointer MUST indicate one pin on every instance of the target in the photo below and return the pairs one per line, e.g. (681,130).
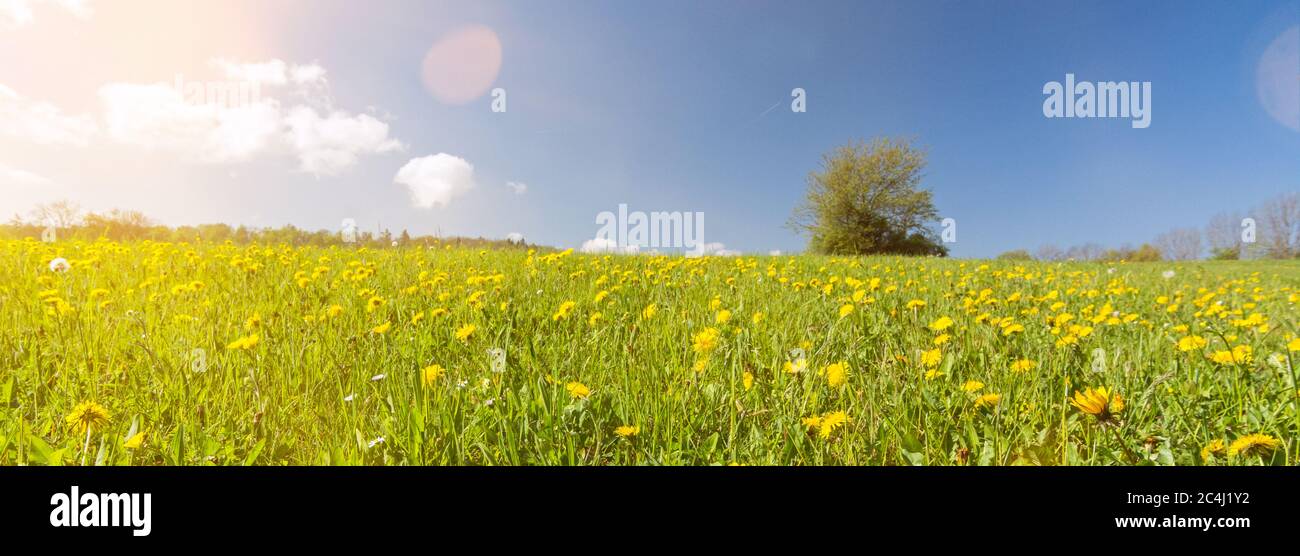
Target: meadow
(144,353)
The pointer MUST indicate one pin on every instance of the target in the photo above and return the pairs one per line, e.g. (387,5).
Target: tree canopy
(867,199)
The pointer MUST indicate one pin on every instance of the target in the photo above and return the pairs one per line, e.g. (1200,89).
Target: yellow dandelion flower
(1098,402)
(1253,444)
(383,328)
(134,442)
(705,341)
(577,390)
(1216,448)
(1189,343)
(722,317)
(1023,365)
(245,343)
(463,333)
(88,416)
(1242,354)
(941,324)
(837,374)
(988,400)
(626,431)
(812,422)
(564,310)
(430,374)
(830,422)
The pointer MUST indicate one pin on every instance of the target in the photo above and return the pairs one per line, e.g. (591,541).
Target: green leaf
(177,452)
(42,450)
(252,454)
(103,444)
(913,458)
(986,454)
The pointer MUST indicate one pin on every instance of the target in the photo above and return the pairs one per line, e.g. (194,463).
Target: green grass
(304,394)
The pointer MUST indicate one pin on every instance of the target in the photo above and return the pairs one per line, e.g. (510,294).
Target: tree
(1181,244)
(1279,226)
(60,214)
(118,224)
(1147,253)
(866,199)
(1016,255)
(1049,252)
(1223,234)
(1085,252)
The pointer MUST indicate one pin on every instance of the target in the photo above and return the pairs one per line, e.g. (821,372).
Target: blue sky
(662,106)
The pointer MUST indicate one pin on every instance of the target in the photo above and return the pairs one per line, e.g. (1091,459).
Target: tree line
(65,220)
(1268,231)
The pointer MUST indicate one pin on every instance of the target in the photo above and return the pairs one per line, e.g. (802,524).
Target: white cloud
(599,245)
(234,127)
(214,122)
(79,8)
(329,144)
(271,72)
(437,179)
(41,122)
(715,249)
(515,237)
(608,245)
(158,117)
(14,176)
(519,187)
(308,74)
(18,13)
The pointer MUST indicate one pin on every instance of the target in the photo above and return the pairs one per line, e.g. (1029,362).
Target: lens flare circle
(462,65)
